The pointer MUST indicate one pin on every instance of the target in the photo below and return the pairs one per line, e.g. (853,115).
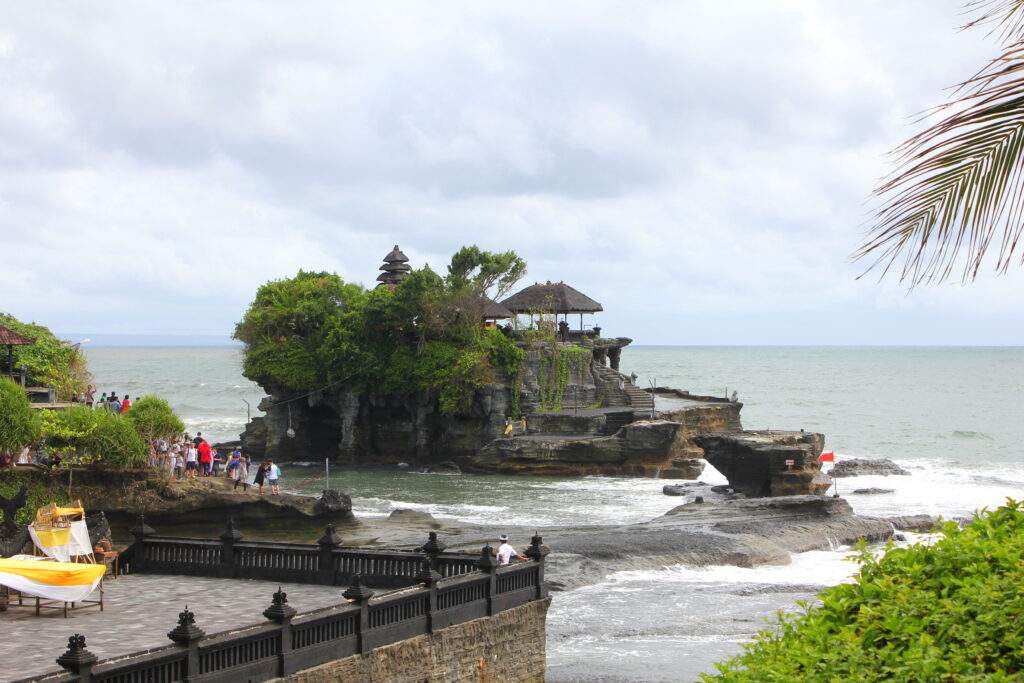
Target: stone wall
(509,646)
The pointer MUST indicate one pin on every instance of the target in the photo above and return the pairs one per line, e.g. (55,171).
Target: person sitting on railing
(506,552)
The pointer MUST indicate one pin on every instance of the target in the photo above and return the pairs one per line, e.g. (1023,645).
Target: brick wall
(506,647)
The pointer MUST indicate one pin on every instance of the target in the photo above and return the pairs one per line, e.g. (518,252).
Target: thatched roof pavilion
(10,339)
(556,297)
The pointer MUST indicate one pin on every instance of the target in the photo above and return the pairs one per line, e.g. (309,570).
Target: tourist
(273,474)
(191,460)
(103,400)
(215,461)
(506,552)
(243,470)
(205,459)
(74,397)
(198,439)
(261,474)
(90,396)
(234,464)
(125,404)
(113,403)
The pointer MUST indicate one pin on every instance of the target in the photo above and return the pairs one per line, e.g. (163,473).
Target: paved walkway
(138,612)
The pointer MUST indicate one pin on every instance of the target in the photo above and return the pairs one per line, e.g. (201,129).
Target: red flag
(827,457)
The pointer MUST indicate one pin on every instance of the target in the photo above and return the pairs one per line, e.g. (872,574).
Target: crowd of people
(192,456)
(112,402)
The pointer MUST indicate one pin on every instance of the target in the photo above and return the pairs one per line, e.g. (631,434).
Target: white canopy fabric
(61,548)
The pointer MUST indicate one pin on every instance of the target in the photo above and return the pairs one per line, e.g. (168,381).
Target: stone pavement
(138,612)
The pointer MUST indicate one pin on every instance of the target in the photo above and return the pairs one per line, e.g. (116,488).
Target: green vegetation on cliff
(315,330)
(40,490)
(946,612)
(51,362)
(81,435)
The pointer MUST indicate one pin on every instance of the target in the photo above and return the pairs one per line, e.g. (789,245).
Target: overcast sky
(700,168)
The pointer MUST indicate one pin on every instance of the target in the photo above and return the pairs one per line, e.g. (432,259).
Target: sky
(702,170)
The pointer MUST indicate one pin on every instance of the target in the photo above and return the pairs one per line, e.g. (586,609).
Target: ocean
(951,416)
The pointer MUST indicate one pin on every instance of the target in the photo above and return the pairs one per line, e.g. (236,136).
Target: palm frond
(958,187)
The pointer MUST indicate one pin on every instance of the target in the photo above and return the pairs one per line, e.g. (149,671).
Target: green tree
(957,189)
(19,423)
(51,362)
(153,418)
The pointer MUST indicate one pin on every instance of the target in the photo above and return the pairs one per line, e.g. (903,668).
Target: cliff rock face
(755,462)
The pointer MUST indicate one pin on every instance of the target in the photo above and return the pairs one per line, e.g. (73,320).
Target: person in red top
(205,457)
(125,404)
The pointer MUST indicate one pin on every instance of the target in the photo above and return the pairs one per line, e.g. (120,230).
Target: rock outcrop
(639,449)
(859,467)
(755,462)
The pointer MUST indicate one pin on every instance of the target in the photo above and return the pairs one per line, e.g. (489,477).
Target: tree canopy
(51,362)
(19,423)
(314,331)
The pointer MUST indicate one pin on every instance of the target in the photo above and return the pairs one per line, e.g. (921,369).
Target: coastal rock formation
(755,462)
(859,467)
(872,491)
(639,449)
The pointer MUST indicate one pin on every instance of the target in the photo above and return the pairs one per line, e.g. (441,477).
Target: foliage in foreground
(314,330)
(50,362)
(948,612)
(93,436)
(19,423)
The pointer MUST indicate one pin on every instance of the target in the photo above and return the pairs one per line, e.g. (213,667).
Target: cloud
(678,162)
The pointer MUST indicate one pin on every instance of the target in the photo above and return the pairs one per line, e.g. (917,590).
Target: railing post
(325,563)
(538,551)
(77,659)
(188,635)
(281,613)
(140,531)
(429,577)
(228,539)
(488,563)
(360,594)
(432,548)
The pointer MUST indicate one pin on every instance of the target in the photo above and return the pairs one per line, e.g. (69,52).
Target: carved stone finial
(76,657)
(186,631)
(279,610)
(231,532)
(330,537)
(357,591)
(487,562)
(141,529)
(536,551)
(428,575)
(433,546)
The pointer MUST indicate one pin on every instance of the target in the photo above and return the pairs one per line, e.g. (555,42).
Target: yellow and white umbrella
(66,581)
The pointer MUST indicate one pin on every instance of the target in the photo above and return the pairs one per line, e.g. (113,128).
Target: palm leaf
(958,187)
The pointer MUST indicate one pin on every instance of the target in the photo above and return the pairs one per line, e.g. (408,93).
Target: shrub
(94,436)
(19,423)
(153,418)
(946,612)
(39,492)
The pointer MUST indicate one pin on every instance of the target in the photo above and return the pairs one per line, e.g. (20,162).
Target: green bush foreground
(952,611)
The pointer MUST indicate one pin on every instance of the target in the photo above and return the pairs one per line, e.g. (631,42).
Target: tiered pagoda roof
(396,265)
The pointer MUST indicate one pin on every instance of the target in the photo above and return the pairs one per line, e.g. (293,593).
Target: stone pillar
(77,659)
(537,551)
(228,539)
(325,562)
(281,613)
(188,635)
(614,355)
(488,563)
(360,595)
(429,577)
(140,531)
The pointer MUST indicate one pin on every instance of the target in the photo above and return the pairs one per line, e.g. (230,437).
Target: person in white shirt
(506,552)
(273,473)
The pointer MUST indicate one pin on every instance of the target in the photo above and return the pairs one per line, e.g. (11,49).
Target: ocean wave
(966,434)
